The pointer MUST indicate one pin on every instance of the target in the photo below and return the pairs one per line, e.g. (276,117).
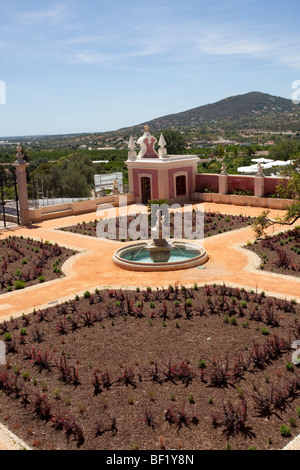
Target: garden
(166,368)
(25,262)
(279,253)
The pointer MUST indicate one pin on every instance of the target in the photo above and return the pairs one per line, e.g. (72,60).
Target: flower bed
(177,368)
(214,223)
(279,253)
(25,262)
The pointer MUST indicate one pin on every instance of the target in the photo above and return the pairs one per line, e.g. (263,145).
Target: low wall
(206,182)
(209,183)
(75,208)
(240,183)
(253,201)
(9,218)
(270,184)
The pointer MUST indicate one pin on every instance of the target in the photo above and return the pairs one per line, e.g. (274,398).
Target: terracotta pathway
(93,267)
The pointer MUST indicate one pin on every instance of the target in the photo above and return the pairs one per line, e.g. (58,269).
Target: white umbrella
(248,169)
(261,160)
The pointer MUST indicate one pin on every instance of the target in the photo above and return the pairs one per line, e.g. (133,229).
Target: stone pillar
(20,166)
(130,180)
(259,183)
(163,184)
(223,181)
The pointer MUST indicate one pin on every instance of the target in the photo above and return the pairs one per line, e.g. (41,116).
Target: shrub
(67,373)
(265,331)
(149,418)
(19,285)
(285,431)
(232,418)
(41,406)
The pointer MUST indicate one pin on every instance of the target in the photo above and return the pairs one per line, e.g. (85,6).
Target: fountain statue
(160,249)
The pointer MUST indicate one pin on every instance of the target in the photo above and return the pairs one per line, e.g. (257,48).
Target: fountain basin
(146,256)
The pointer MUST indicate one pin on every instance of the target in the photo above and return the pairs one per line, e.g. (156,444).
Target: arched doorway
(146,189)
(181,185)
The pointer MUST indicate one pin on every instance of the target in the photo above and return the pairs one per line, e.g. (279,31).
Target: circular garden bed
(168,368)
(280,253)
(25,262)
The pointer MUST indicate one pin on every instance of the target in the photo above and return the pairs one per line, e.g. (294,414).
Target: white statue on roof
(147,142)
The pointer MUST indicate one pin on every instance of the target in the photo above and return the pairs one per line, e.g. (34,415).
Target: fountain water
(159,254)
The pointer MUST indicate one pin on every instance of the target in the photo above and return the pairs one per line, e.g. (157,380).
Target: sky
(74,66)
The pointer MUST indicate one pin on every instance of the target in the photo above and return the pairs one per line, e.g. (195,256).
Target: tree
(250,150)
(288,188)
(176,141)
(221,150)
(233,150)
(285,150)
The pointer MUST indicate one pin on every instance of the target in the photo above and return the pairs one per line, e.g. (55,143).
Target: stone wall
(74,208)
(210,188)
(206,182)
(264,202)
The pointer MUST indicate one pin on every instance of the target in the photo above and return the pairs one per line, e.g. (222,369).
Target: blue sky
(74,66)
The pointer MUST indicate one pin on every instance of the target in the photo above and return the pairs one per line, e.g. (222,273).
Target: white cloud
(218,44)
(114,58)
(291,59)
(36,16)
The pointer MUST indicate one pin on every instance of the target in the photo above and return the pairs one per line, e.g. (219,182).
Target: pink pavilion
(157,175)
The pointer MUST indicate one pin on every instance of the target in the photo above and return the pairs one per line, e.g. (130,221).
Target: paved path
(93,267)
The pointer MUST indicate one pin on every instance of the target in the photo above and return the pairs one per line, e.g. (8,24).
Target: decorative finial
(147,142)
(260,170)
(223,172)
(20,155)
(162,152)
(131,145)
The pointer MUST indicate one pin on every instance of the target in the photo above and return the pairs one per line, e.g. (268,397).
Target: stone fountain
(159,254)
(159,248)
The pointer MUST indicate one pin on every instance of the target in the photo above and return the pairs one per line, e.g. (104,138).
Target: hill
(235,118)
(253,110)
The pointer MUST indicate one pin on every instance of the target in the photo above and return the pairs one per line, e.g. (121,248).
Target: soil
(280,253)
(26,262)
(163,350)
(214,223)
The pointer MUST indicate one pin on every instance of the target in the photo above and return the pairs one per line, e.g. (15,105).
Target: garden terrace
(157,368)
(279,253)
(214,223)
(25,262)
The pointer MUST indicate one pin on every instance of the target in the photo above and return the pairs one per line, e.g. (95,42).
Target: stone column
(223,181)
(259,183)
(130,180)
(163,184)
(20,166)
